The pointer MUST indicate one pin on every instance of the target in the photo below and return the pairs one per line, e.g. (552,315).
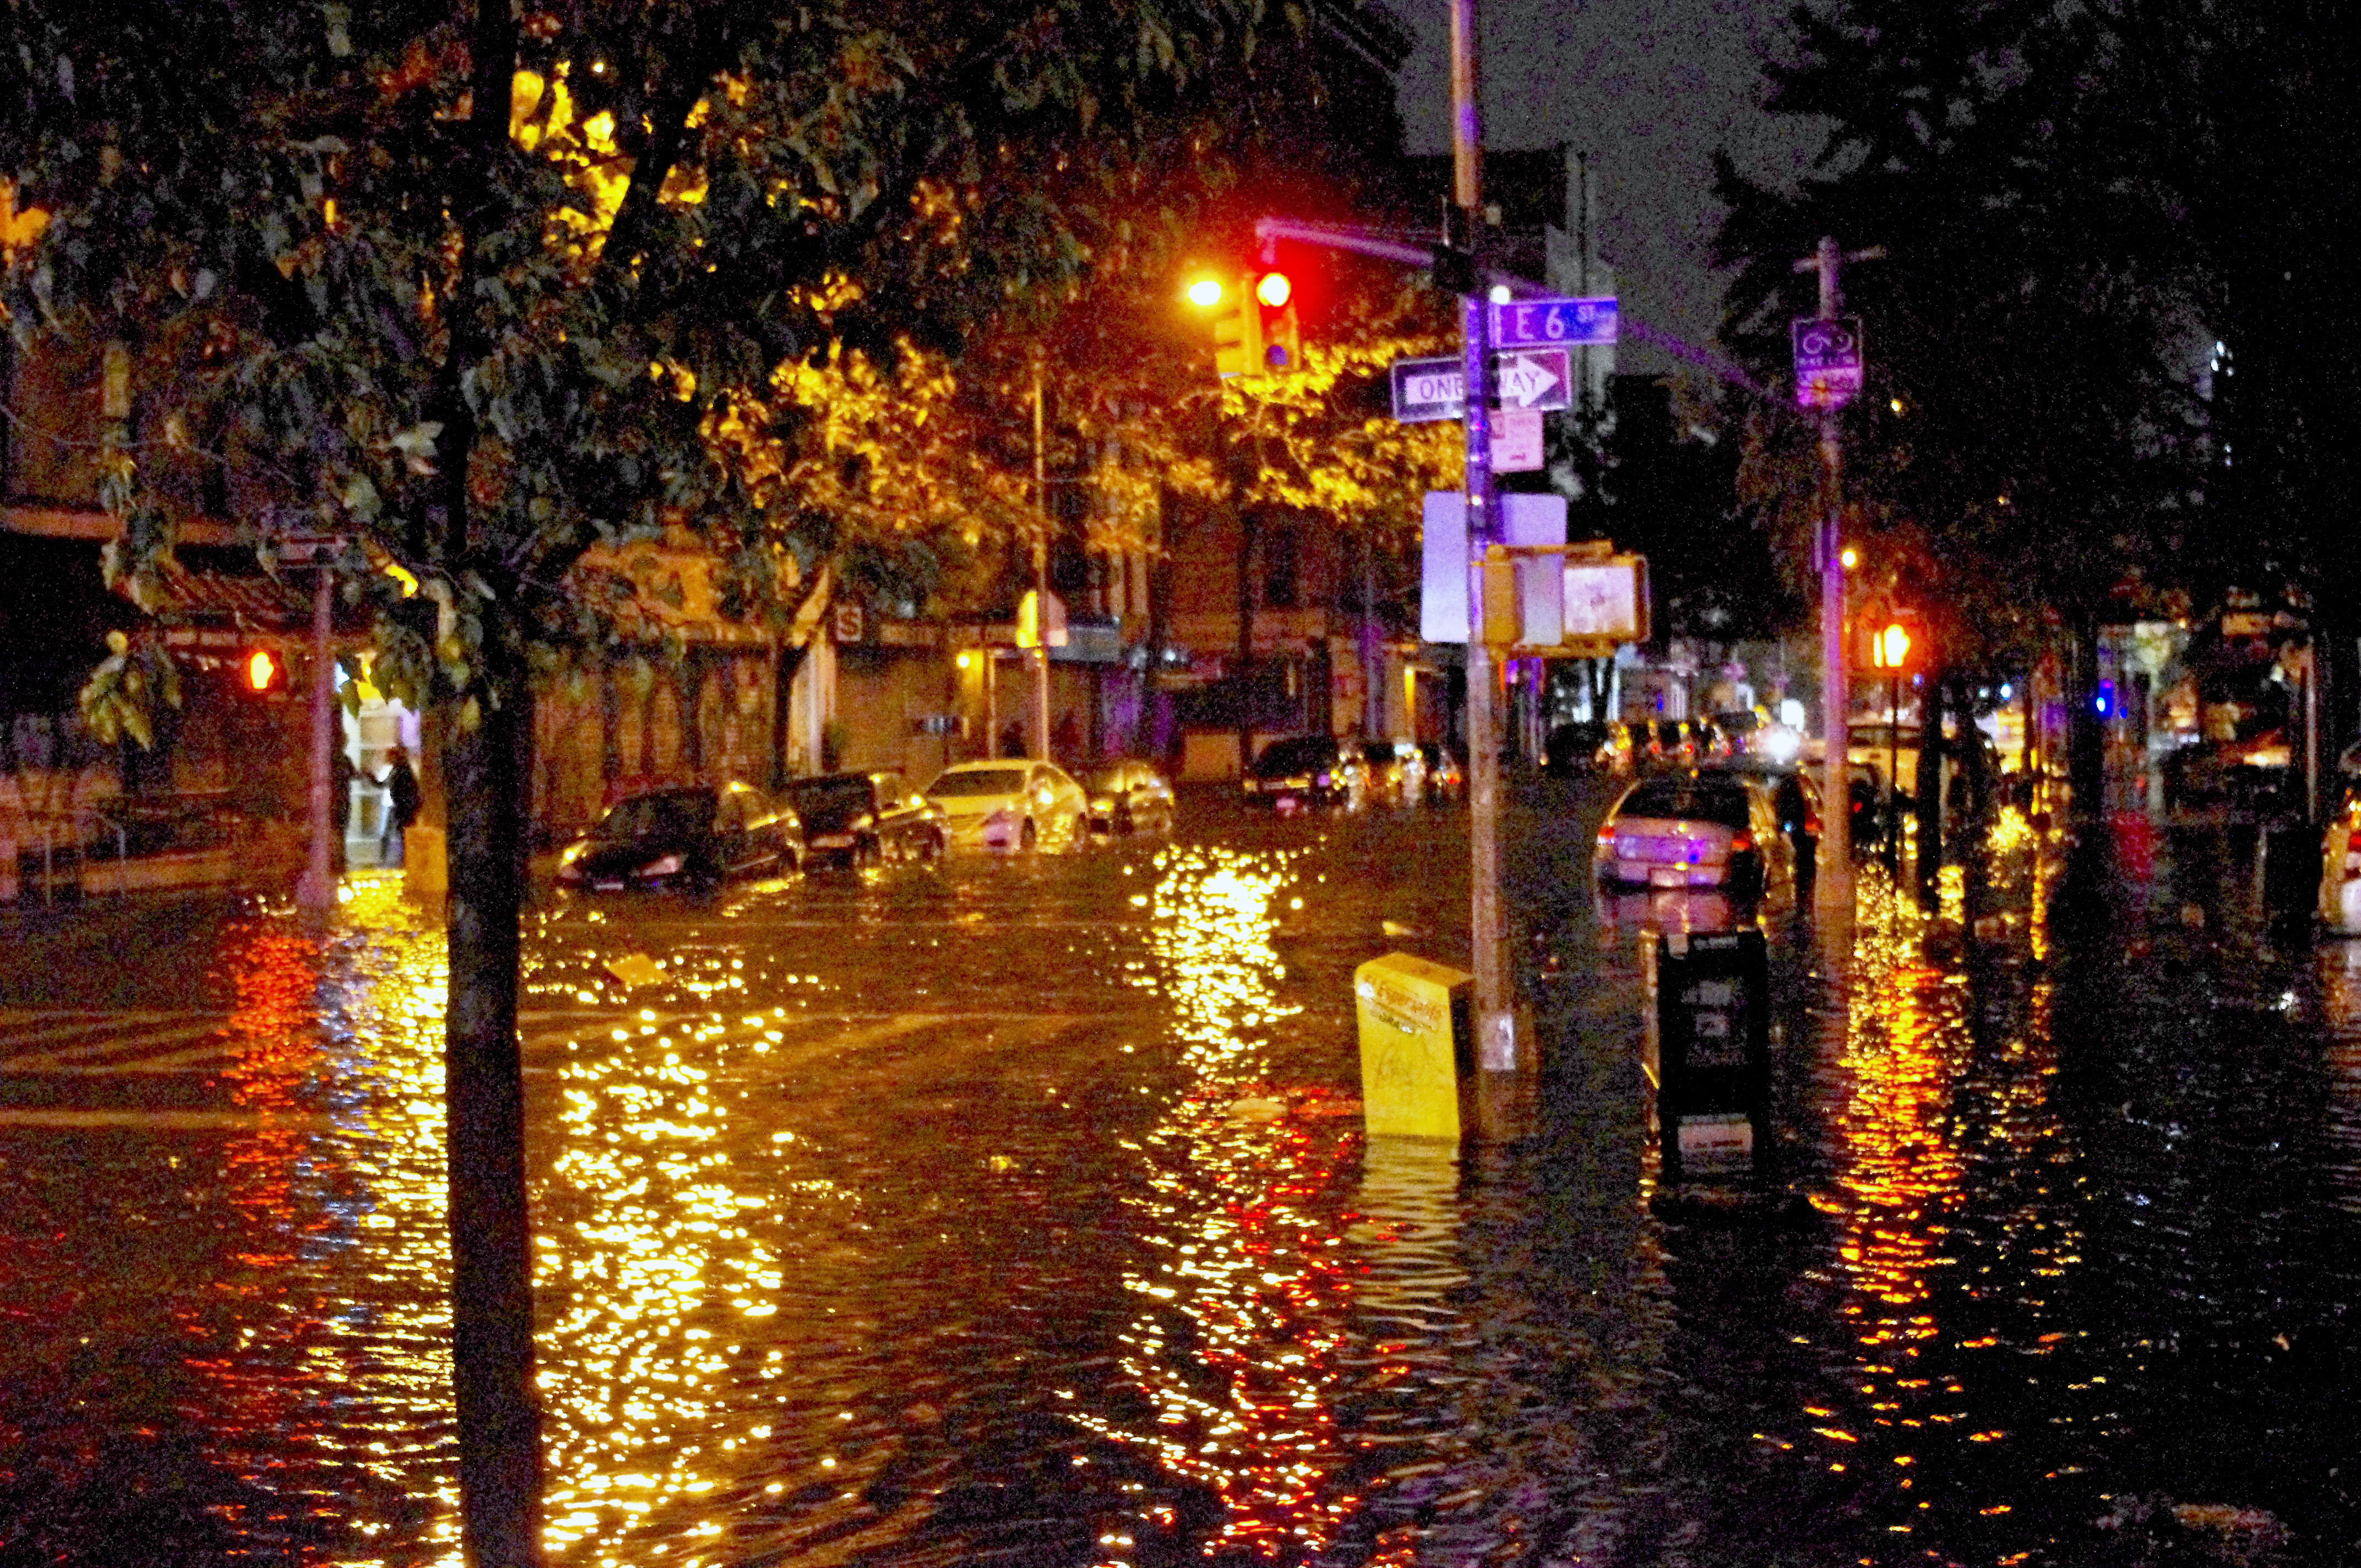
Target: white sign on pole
(1443,597)
(1516,441)
(1540,586)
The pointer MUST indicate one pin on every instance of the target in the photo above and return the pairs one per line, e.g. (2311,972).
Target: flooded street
(1017,1210)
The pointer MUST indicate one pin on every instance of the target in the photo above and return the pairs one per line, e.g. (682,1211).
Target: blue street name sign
(1546,324)
(1540,380)
(1828,361)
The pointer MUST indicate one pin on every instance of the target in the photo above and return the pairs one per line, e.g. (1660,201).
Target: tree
(2027,441)
(483,287)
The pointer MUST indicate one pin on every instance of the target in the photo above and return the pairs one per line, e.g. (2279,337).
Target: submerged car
(1704,828)
(1444,779)
(1396,771)
(1297,771)
(688,836)
(1010,805)
(853,820)
(1128,797)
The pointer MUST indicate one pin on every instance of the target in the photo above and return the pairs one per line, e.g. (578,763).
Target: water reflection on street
(1018,1211)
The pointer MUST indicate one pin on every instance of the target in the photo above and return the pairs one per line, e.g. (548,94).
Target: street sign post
(1828,361)
(1541,380)
(1545,324)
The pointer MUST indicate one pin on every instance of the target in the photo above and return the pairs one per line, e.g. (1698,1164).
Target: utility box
(1708,1056)
(1417,1056)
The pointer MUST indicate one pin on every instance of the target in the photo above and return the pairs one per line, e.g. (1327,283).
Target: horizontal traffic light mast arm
(1432,255)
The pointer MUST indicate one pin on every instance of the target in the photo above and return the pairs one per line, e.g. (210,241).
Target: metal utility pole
(316,888)
(1041,580)
(1834,869)
(1495,1022)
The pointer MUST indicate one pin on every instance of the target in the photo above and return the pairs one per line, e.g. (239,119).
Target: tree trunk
(491,1251)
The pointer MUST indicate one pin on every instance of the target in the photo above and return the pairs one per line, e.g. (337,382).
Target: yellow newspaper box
(1418,1058)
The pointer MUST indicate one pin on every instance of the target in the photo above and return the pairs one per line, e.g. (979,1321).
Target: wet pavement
(1017,1212)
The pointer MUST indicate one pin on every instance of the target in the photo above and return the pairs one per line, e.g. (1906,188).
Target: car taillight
(1606,833)
(1741,842)
(1811,823)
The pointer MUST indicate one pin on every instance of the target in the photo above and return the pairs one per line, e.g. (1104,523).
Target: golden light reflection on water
(386,1000)
(1236,1343)
(1909,1086)
(649,1271)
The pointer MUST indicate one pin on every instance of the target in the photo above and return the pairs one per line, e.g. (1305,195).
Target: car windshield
(1298,754)
(829,797)
(1108,781)
(979,781)
(655,816)
(1722,802)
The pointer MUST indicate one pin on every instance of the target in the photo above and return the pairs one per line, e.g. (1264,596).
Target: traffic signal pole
(1494,1019)
(315,890)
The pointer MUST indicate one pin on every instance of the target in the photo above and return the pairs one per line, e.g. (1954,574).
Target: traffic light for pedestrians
(264,673)
(1889,645)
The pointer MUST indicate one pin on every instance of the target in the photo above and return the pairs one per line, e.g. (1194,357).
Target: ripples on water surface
(1020,1213)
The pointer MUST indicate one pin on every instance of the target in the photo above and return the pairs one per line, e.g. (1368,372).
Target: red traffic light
(1273,289)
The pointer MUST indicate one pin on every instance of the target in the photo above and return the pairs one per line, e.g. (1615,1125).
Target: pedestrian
(401,786)
(1068,741)
(341,774)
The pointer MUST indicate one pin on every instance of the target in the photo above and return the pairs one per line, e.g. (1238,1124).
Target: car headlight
(1102,803)
(668,866)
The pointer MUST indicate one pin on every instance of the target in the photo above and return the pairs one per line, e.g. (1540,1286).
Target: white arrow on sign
(1524,381)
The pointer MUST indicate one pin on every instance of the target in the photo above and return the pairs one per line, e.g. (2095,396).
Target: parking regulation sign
(1827,362)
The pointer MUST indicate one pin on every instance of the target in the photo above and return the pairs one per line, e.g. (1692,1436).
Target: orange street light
(1851,557)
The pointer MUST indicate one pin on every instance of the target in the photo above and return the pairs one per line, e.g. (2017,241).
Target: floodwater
(1018,1213)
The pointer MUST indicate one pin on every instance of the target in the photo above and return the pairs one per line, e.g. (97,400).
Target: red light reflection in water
(1248,1201)
(262,1394)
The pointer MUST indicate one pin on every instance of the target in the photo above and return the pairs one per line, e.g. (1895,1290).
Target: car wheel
(1027,836)
(864,854)
(934,848)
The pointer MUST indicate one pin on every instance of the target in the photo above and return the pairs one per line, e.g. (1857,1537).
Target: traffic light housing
(1274,303)
(1238,327)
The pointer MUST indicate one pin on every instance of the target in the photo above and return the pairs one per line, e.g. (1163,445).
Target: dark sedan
(693,836)
(853,819)
(1296,771)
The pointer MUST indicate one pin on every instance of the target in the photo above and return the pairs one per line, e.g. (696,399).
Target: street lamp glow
(1851,557)
(1501,294)
(1205,292)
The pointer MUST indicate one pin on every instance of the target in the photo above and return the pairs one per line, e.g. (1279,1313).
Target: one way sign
(1540,380)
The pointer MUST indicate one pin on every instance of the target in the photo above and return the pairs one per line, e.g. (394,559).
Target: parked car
(1588,747)
(1703,828)
(853,820)
(1444,779)
(1011,805)
(1397,770)
(691,836)
(1306,770)
(1795,802)
(1128,797)
(2340,865)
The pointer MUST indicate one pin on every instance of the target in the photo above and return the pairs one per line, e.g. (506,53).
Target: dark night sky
(1649,88)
